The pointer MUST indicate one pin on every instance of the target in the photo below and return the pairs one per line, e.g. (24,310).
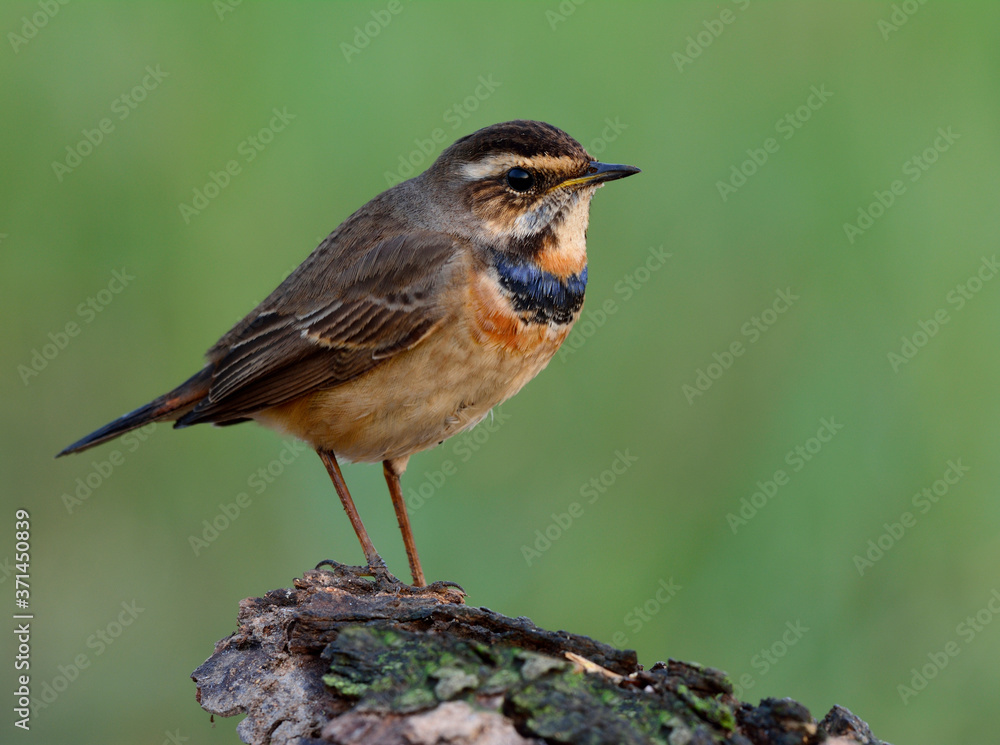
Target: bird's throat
(538,296)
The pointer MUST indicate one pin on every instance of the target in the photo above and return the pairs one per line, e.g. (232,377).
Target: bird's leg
(396,492)
(393,469)
(376,566)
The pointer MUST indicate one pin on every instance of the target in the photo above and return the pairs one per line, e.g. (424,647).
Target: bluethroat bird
(430,305)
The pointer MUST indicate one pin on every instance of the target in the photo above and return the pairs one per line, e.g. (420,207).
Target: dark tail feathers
(168,406)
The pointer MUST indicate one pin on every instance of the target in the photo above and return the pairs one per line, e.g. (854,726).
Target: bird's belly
(413,401)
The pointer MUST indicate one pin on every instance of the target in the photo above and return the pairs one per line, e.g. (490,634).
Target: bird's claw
(345,570)
(385,581)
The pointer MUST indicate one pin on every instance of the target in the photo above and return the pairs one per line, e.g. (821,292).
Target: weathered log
(337,660)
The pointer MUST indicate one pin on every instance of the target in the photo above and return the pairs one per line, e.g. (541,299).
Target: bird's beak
(599,172)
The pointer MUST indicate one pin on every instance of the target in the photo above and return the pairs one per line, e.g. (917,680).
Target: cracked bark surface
(336,660)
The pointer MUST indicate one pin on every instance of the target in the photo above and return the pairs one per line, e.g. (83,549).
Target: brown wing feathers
(385,300)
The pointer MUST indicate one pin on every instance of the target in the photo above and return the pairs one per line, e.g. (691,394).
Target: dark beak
(599,172)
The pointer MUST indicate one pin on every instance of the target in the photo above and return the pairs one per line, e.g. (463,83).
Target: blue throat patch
(537,295)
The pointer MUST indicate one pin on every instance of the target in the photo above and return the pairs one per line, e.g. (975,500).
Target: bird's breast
(521,306)
(505,323)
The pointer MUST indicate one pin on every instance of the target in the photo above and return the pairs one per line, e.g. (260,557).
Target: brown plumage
(433,303)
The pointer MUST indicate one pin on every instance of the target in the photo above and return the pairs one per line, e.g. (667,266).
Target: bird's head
(521,186)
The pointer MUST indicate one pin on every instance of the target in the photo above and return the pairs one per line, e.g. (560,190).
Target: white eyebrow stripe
(495,165)
(492,165)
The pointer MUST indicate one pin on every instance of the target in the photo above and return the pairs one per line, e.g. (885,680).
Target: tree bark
(337,660)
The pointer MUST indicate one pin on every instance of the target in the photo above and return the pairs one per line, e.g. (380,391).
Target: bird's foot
(376,570)
(386,582)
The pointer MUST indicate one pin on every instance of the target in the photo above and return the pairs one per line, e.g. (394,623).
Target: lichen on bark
(339,660)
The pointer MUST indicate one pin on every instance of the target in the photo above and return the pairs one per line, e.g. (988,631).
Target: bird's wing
(337,316)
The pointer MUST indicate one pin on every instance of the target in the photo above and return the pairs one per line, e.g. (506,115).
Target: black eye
(519,179)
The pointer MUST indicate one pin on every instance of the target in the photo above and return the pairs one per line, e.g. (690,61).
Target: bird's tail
(168,406)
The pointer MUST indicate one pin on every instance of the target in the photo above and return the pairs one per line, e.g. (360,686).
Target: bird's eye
(519,179)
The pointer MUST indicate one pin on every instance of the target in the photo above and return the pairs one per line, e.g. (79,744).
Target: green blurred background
(683,90)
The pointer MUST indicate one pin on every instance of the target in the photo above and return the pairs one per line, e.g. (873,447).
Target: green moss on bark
(401,672)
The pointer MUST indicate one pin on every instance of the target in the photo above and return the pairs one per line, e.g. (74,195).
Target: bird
(432,304)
